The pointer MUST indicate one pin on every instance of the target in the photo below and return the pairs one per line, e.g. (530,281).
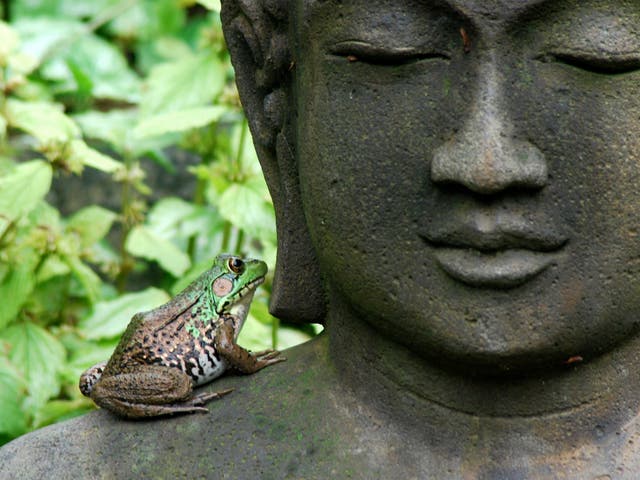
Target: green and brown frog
(189,341)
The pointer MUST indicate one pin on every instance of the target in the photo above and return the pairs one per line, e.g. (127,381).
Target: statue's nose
(484,155)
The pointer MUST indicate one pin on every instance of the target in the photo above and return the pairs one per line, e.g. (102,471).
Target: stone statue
(457,193)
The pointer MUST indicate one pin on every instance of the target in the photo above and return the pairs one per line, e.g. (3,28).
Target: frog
(189,341)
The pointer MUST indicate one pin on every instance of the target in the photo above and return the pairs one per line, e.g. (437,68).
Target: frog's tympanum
(457,196)
(187,342)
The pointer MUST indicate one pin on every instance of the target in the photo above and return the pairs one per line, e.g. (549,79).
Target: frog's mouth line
(242,298)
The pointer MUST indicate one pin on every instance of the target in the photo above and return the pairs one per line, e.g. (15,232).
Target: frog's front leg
(150,390)
(238,357)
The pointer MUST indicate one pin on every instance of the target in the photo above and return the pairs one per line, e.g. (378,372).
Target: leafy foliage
(104,85)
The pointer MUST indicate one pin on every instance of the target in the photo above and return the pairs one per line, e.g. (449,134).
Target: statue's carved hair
(262,25)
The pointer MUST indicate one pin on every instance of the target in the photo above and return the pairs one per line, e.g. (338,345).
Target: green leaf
(80,152)
(39,356)
(12,390)
(192,81)
(59,8)
(87,277)
(96,63)
(248,210)
(178,121)
(92,223)
(166,215)
(53,266)
(43,120)
(213,5)
(116,129)
(14,292)
(22,189)
(110,318)
(145,243)
(8,42)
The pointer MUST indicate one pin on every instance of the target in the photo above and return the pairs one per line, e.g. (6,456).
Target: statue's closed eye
(595,62)
(358,51)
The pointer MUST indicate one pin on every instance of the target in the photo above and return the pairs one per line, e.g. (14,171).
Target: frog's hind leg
(150,391)
(90,377)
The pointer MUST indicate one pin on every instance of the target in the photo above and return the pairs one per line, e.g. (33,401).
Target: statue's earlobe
(256,32)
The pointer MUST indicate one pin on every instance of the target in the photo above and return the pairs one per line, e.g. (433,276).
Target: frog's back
(151,339)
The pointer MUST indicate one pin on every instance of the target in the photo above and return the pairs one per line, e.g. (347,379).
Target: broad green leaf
(59,8)
(81,153)
(178,121)
(14,292)
(91,223)
(96,63)
(213,5)
(148,19)
(116,129)
(41,35)
(8,42)
(45,121)
(166,215)
(247,209)
(53,266)
(192,81)
(87,277)
(39,356)
(12,390)
(112,127)
(23,188)
(145,243)
(110,318)
(21,64)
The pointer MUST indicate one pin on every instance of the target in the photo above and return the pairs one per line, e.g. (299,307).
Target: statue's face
(470,171)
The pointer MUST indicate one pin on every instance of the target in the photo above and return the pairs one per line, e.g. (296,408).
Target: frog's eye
(235,265)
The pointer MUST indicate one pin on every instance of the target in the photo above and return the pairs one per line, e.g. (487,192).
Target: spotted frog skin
(189,341)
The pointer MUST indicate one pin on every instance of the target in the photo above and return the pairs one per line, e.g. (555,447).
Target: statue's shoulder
(275,421)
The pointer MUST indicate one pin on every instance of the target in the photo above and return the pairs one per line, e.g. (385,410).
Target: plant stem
(239,241)
(6,10)
(126,260)
(226,236)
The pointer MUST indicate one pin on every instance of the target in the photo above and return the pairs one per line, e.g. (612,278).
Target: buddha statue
(456,185)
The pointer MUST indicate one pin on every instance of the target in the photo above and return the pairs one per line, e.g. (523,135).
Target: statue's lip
(497,269)
(500,237)
(503,257)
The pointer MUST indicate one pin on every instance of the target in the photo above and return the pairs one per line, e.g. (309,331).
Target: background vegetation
(106,92)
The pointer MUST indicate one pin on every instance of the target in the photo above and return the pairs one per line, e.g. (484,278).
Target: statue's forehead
(505,10)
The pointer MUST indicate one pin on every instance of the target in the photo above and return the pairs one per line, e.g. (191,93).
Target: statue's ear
(257,32)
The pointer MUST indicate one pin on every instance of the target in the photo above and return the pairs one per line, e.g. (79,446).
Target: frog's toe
(271,356)
(203,398)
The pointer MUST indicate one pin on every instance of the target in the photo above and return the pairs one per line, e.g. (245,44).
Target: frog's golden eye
(235,265)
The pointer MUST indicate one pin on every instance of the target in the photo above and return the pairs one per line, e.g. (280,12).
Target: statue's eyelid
(595,62)
(382,55)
